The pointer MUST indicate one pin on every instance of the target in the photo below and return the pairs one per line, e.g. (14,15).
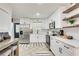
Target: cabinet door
(41,38)
(33,38)
(68,49)
(57,47)
(64,49)
(63,52)
(54,46)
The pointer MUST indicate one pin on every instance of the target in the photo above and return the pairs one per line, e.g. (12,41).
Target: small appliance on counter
(61,32)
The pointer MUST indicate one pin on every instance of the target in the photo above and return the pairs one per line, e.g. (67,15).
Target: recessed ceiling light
(37,14)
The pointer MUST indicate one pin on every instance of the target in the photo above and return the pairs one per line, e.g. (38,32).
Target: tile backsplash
(72,32)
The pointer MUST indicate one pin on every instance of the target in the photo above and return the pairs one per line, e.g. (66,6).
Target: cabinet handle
(37,37)
(60,49)
(66,47)
(57,42)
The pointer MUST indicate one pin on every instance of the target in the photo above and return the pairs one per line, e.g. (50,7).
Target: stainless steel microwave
(52,25)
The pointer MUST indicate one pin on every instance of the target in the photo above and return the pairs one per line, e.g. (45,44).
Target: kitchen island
(9,48)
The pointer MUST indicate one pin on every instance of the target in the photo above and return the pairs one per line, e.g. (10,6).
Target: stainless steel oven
(48,41)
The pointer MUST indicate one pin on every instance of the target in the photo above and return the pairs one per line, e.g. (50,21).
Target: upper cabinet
(35,23)
(25,21)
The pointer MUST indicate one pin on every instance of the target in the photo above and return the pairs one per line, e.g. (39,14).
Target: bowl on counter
(69,37)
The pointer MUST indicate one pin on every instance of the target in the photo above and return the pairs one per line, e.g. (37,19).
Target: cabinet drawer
(41,38)
(63,53)
(58,42)
(6,52)
(68,49)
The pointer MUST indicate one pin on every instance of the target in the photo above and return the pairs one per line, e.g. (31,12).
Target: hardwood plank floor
(34,49)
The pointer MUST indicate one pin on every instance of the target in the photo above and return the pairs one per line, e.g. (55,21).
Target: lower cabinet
(54,47)
(14,50)
(10,51)
(6,52)
(37,38)
(62,49)
(41,38)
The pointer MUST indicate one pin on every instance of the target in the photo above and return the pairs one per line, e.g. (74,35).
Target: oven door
(48,40)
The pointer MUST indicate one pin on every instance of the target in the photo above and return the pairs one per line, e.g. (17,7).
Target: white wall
(5,19)
(34,25)
(57,17)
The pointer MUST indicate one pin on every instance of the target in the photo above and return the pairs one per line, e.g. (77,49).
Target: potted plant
(71,21)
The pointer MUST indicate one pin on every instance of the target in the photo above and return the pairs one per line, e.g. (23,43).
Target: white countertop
(73,42)
(7,43)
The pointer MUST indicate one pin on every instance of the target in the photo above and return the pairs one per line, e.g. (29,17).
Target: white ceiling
(30,9)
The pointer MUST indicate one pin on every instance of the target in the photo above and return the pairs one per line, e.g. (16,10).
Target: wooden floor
(34,49)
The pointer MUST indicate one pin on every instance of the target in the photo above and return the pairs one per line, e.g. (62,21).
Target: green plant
(71,21)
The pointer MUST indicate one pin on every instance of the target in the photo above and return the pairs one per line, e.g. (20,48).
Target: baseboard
(49,49)
(52,52)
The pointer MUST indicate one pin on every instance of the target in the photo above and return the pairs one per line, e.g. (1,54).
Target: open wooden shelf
(74,16)
(71,26)
(71,8)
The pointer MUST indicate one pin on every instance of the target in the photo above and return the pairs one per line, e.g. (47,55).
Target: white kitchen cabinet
(63,52)
(45,25)
(37,26)
(69,49)
(37,38)
(40,25)
(57,47)
(41,38)
(7,52)
(54,46)
(60,48)
(33,38)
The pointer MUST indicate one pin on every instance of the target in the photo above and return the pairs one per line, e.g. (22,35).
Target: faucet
(37,31)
